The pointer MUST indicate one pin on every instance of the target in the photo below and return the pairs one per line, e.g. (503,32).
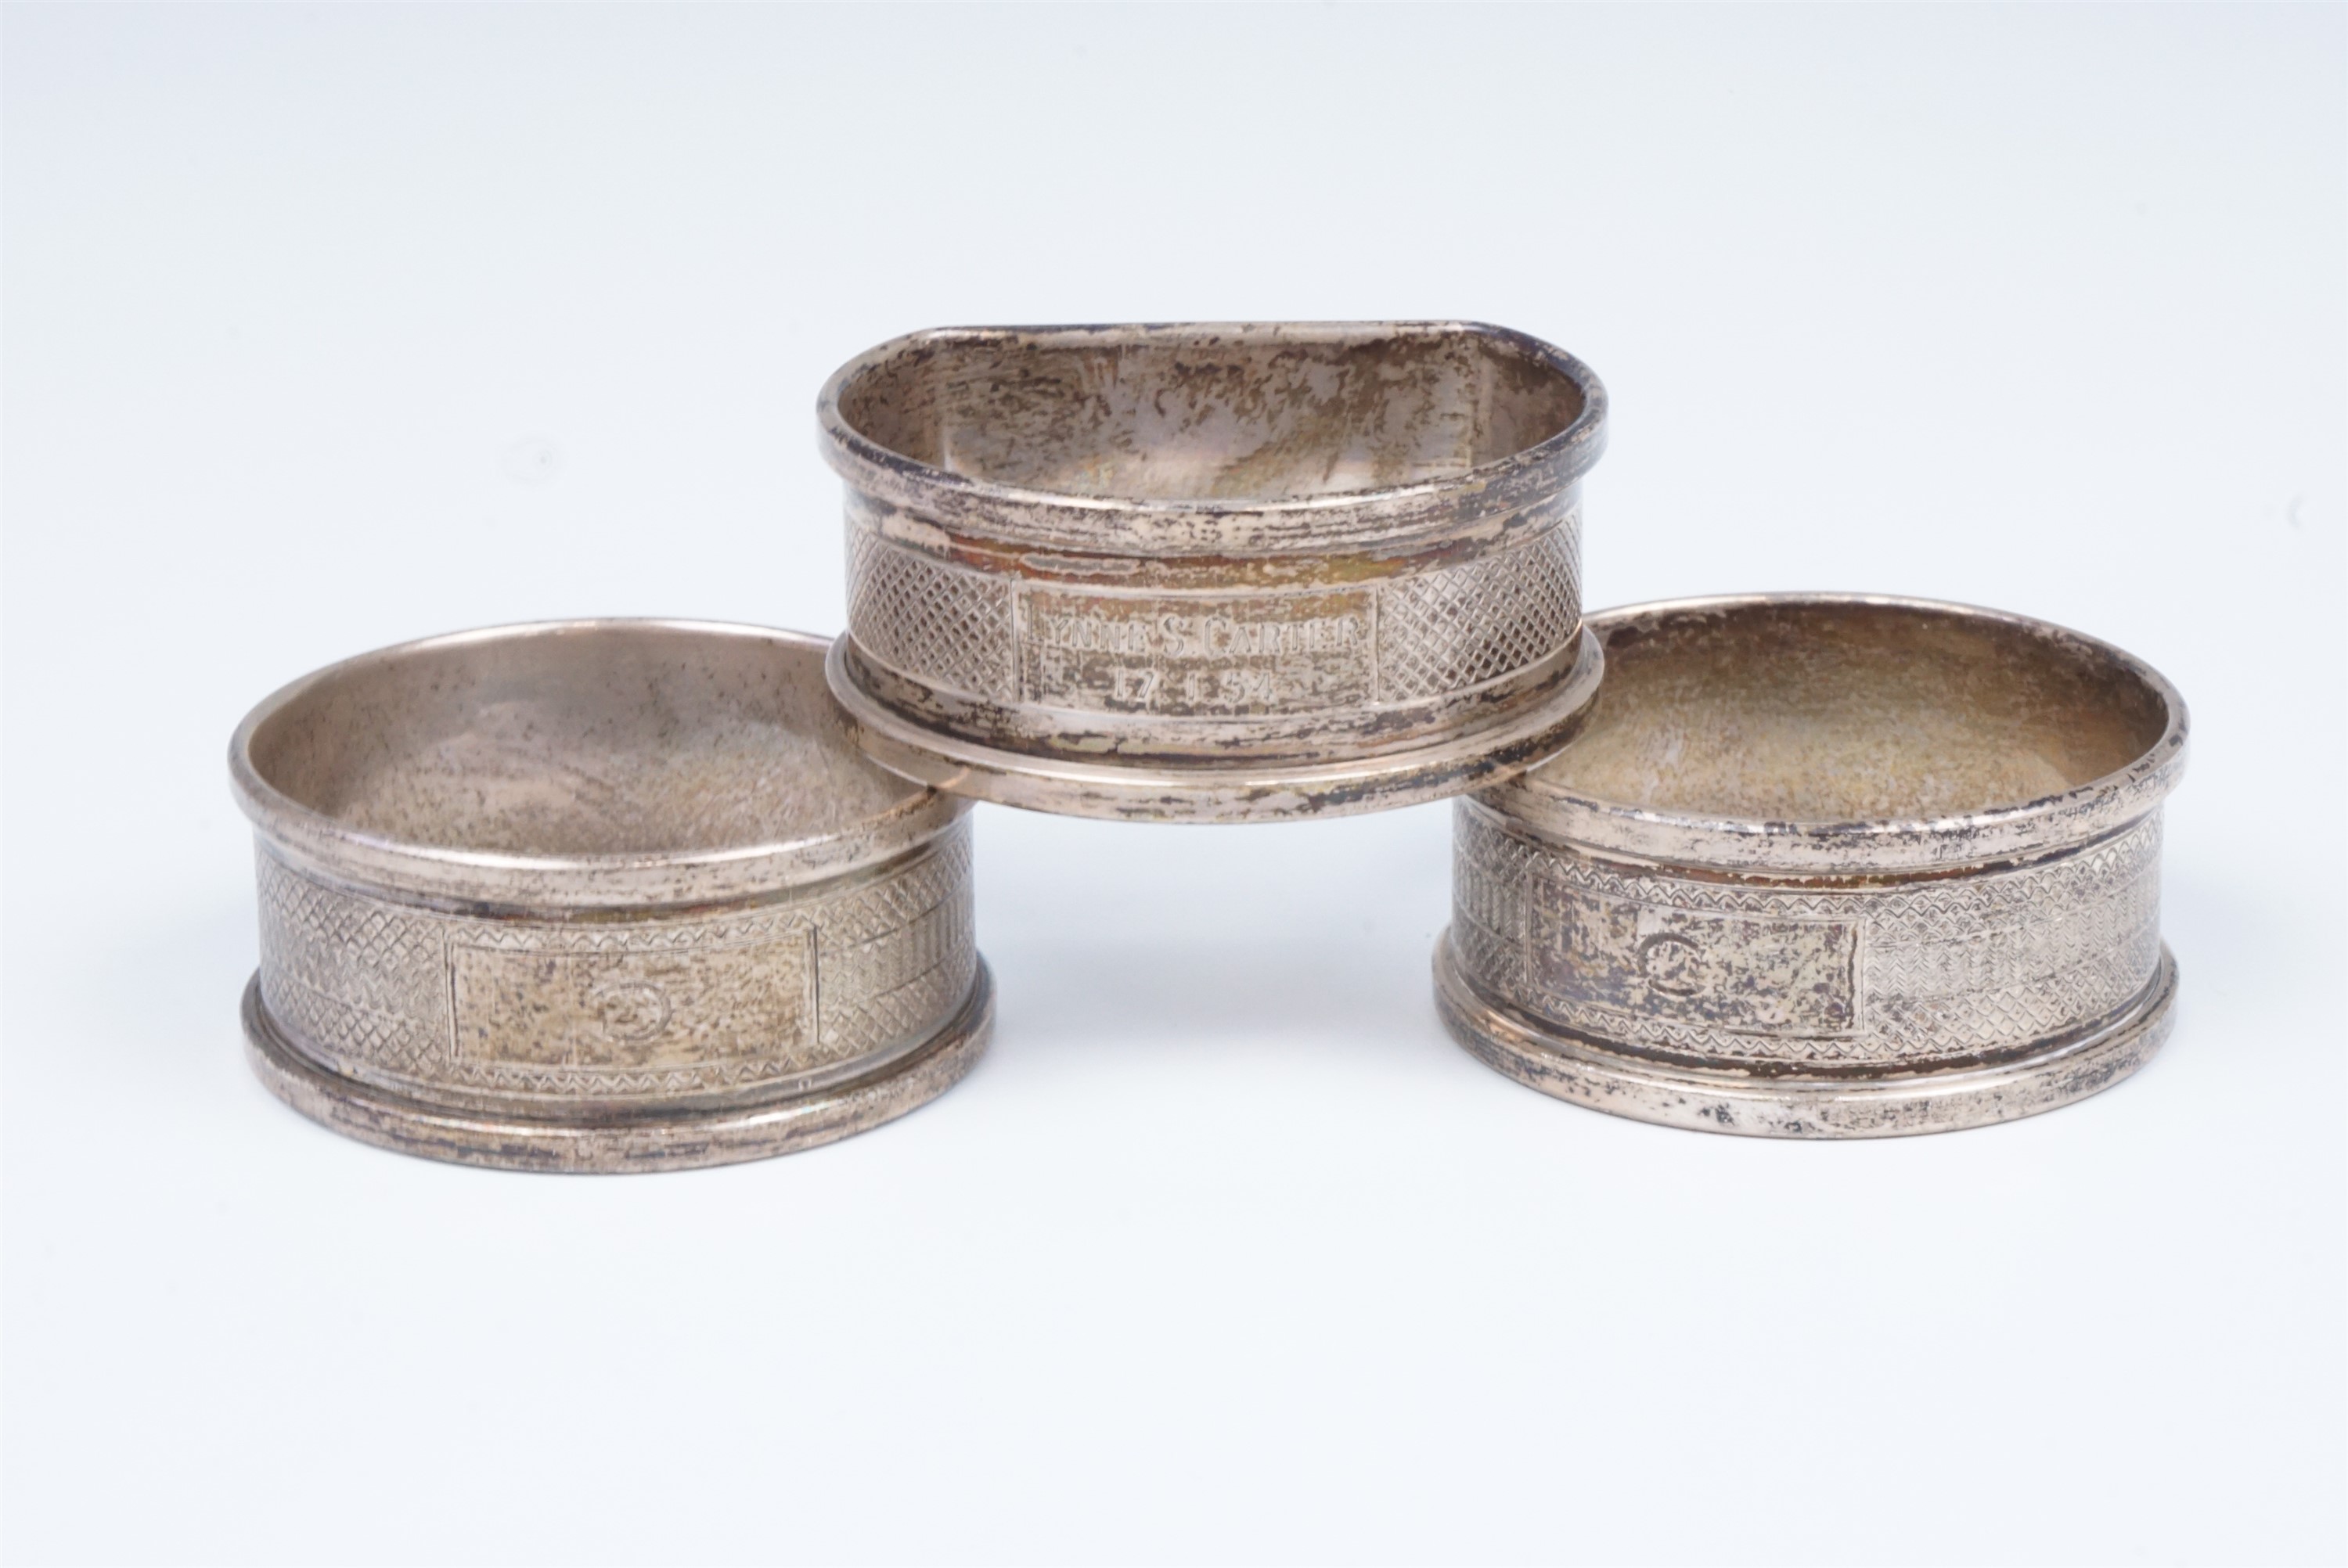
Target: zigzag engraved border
(692,938)
(1925,908)
(555,1079)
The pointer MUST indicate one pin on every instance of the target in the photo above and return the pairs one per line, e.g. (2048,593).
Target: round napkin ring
(599,895)
(1826,865)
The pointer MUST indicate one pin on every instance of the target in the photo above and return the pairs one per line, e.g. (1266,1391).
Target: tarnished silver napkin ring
(1827,866)
(599,895)
(1213,573)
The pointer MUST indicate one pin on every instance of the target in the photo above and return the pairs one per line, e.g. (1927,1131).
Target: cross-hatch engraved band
(1427,634)
(651,1006)
(1736,972)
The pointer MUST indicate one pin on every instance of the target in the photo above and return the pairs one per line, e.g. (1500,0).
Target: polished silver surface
(1213,572)
(1826,865)
(599,895)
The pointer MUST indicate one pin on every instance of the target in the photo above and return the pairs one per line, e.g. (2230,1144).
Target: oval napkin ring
(1214,573)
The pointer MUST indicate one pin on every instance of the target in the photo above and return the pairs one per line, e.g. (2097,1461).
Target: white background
(331,327)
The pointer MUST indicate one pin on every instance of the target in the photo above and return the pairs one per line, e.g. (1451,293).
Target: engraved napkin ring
(599,895)
(1213,573)
(1824,866)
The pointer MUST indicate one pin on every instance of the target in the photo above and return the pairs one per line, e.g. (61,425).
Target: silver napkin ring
(599,895)
(1213,573)
(1825,865)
